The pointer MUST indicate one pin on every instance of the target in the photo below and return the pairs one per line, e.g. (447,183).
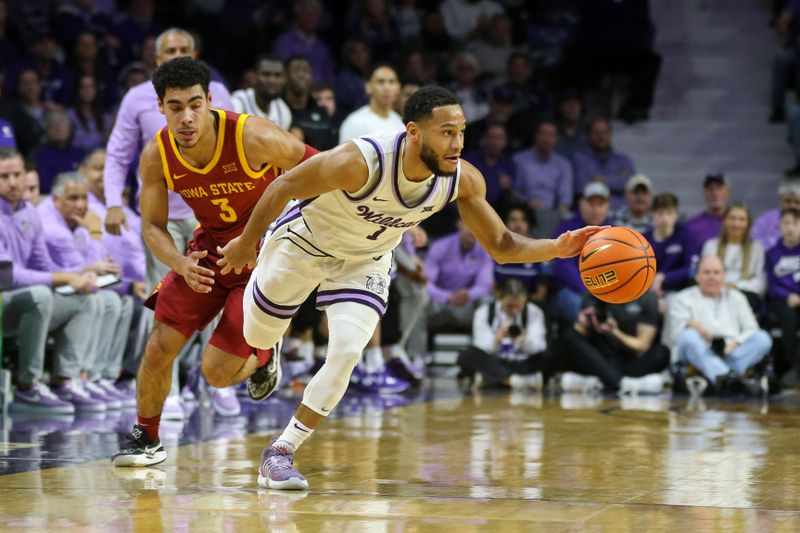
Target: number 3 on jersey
(227,214)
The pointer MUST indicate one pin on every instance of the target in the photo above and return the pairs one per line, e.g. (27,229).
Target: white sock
(294,435)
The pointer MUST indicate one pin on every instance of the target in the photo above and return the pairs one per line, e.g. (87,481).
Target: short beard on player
(428,157)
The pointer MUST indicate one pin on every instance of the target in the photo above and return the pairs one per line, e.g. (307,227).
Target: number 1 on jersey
(374,236)
(227,214)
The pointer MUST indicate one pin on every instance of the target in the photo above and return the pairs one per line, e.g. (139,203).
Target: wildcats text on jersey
(369,215)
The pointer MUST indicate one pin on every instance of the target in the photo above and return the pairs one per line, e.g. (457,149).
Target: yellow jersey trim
(240,150)
(163,152)
(217,152)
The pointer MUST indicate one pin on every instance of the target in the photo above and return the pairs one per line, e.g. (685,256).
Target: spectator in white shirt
(711,327)
(383,88)
(264,99)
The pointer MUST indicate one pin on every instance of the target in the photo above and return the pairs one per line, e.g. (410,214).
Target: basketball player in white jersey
(357,200)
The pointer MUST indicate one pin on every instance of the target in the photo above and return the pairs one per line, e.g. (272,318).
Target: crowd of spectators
(533,80)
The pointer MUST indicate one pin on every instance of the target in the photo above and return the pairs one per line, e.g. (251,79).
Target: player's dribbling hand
(198,279)
(234,256)
(570,243)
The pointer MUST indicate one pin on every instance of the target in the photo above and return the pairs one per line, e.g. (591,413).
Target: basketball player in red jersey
(221,163)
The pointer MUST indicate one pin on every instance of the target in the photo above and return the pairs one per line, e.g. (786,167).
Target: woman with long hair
(90,123)
(742,256)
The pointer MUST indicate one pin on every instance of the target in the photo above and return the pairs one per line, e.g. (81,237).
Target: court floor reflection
(517,462)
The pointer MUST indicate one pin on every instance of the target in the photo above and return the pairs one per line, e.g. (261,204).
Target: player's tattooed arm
(154,206)
(340,168)
(502,244)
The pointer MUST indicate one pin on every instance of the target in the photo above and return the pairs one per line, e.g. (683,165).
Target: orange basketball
(617,265)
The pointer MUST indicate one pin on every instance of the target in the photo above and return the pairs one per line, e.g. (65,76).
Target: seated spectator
(602,163)
(29,95)
(459,274)
(378,115)
(711,327)
(350,91)
(492,48)
(378,29)
(32,304)
(406,16)
(325,97)
(520,126)
(17,124)
(508,342)
(572,128)
(408,88)
(264,98)
(57,80)
(592,210)
(497,168)
(707,224)
(783,288)
(91,125)
(742,256)
(672,246)
(519,219)
(544,178)
(31,192)
(302,40)
(766,228)
(74,241)
(56,155)
(617,343)
(639,200)
(531,96)
(309,121)
(473,99)
(7,139)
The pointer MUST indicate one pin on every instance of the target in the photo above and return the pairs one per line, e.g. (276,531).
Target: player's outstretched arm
(502,244)
(267,144)
(341,168)
(154,206)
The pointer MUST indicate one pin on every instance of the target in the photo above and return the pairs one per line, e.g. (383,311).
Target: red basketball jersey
(224,192)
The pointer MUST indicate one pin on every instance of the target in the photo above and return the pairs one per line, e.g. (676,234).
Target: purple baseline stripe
(271,309)
(381,311)
(327,300)
(396,177)
(380,173)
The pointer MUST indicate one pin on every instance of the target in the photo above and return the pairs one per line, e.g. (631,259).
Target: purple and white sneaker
(380,382)
(277,470)
(123,392)
(40,397)
(172,409)
(99,392)
(73,392)
(224,401)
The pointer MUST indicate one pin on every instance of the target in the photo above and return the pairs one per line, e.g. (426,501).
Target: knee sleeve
(265,332)
(351,326)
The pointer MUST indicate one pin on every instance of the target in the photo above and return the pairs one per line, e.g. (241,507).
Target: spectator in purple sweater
(707,224)
(495,165)
(766,228)
(57,155)
(601,163)
(672,246)
(783,287)
(592,210)
(32,309)
(459,273)
(302,40)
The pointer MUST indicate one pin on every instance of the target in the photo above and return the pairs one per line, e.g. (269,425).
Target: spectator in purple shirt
(572,136)
(544,178)
(57,154)
(459,273)
(350,87)
(57,79)
(592,210)
(766,228)
(520,219)
(90,123)
(602,163)
(303,40)
(32,309)
(672,246)
(783,287)
(75,242)
(495,165)
(707,224)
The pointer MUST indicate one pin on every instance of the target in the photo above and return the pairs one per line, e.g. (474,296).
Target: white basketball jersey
(372,222)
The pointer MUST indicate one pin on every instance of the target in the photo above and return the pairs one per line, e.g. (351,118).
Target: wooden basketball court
(442,462)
